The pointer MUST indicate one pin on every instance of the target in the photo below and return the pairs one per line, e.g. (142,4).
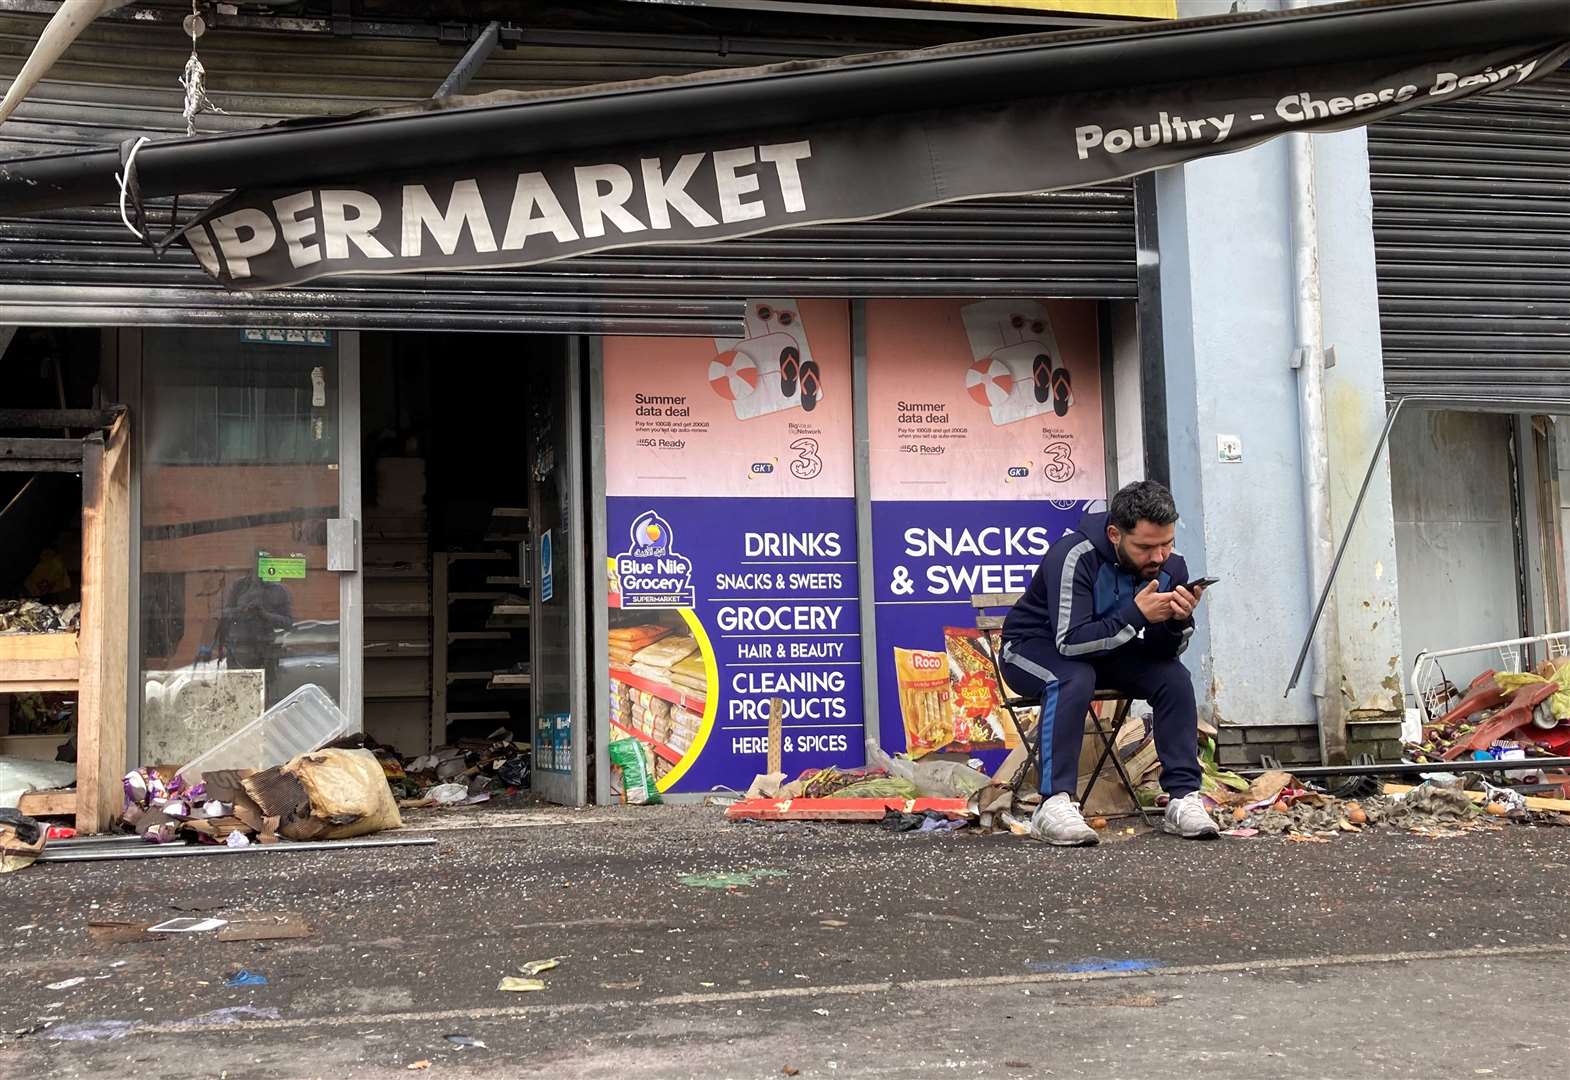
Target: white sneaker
(1058,821)
(1188,818)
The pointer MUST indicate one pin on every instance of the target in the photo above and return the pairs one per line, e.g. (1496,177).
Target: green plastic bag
(637,772)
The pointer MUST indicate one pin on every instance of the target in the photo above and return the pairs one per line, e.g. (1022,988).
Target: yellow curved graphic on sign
(711,700)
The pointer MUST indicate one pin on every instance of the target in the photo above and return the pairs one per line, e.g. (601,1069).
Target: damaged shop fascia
(600,194)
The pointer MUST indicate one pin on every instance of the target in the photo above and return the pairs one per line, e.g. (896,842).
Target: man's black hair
(1143,500)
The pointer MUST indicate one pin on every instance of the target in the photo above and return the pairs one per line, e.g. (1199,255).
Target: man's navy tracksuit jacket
(1077,629)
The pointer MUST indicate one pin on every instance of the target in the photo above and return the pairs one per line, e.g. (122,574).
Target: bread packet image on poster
(980,720)
(925,699)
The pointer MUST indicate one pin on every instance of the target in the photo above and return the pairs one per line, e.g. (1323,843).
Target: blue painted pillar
(1227,301)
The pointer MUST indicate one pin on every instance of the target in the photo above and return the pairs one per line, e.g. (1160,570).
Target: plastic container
(304,721)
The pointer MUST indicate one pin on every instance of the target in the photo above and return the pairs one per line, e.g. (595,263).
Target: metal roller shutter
(1472,238)
(117,81)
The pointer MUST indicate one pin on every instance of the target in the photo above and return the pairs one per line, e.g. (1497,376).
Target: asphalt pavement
(692,947)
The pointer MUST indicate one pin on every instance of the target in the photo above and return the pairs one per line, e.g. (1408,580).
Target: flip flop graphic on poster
(1013,348)
(776,351)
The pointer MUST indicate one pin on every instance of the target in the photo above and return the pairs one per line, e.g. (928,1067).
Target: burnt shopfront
(578,446)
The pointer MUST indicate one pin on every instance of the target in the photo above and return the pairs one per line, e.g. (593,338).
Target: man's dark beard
(1131,567)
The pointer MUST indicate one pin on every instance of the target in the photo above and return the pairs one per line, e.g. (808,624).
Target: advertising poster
(731,541)
(986,447)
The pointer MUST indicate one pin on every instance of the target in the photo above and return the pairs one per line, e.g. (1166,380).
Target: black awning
(733,153)
(971,74)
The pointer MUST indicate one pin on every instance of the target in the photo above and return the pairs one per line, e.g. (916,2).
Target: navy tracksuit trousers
(1033,668)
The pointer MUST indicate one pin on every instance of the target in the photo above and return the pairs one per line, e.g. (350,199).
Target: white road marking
(1262,966)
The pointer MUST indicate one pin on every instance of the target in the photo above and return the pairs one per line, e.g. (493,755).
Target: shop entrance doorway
(473,552)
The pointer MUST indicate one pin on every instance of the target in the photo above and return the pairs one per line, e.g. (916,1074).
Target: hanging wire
(127,180)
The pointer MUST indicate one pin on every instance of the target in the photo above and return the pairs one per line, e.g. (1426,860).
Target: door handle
(343,545)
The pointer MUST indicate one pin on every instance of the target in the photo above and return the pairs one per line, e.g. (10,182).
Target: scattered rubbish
(536,967)
(879,787)
(513,771)
(466,1042)
(299,724)
(347,793)
(21,840)
(1502,715)
(933,779)
(832,924)
(416,1066)
(766,786)
(482,767)
(634,762)
(237,839)
(821,1012)
(738,880)
(237,1014)
(277,926)
(66,984)
(61,832)
(834,809)
(1015,825)
(1278,804)
(519,986)
(447,794)
(92,1031)
(188,926)
(789,1071)
(244,978)
(37,617)
(635,984)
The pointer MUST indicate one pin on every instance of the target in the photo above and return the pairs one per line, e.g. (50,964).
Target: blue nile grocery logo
(651,572)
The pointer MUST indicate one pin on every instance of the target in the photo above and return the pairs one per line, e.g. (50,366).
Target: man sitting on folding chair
(1110,608)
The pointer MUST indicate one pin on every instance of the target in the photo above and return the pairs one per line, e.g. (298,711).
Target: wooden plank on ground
(1533,802)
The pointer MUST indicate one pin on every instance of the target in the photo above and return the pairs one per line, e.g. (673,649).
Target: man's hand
(1184,601)
(1157,607)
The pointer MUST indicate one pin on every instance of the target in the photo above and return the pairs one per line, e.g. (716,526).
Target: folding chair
(990,627)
